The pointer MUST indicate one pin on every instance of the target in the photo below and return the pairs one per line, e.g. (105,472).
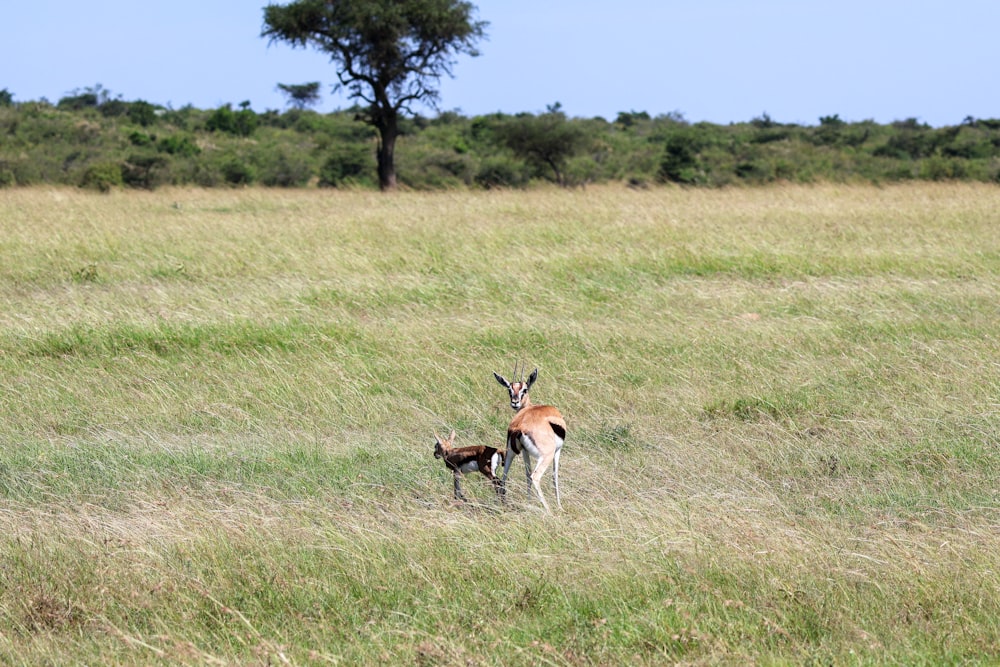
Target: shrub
(546,142)
(941,169)
(240,123)
(304,121)
(501,172)
(102,176)
(681,161)
(140,139)
(629,118)
(77,102)
(185,118)
(142,113)
(581,170)
(178,144)
(237,172)
(222,120)
(246,122)
(450,164)
(206,175)
(114,108)
(910,141)
(145,171)
(285,169)
(347,163)
(27,172)
(752,170)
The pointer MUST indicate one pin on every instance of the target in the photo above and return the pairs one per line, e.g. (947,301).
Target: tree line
(91,138)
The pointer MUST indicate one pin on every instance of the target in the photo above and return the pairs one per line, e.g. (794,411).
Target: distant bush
(909,144)
(237,172)
(433,167)
(939,168)
(501,172)
(186,118)
(240,123)
(140,139)
(347,165)
(145,171)
(78,102)
(178,144)
(81,139)
(546,141)
(114,108)
(102,176)
(682,161)
(285,169)
(141,113)
(629,118)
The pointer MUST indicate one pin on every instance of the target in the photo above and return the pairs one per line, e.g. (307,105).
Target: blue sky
(711,60)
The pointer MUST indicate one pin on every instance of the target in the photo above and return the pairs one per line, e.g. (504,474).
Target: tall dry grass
(218,406)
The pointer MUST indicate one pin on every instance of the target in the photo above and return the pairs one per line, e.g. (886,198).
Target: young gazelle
(536,431)
(468,459)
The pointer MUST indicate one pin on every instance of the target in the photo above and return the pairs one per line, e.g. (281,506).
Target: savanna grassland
(217,417)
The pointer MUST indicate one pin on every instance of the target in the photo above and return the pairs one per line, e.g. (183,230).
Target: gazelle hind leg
(536,479)
(555,475)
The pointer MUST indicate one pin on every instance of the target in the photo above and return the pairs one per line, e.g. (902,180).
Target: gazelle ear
(532,378)
(501,380)
(437,438)
(451,438)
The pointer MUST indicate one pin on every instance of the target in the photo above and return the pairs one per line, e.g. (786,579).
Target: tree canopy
(301,95)
(547,140)
(389,54)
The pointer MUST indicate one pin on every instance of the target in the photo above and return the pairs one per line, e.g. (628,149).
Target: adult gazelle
(536,432)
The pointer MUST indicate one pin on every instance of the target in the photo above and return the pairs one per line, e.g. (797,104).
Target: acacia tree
(388,53)
(301,95)
(548,140)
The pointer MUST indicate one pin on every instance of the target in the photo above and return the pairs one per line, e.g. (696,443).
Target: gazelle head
(518,389)
(441,447)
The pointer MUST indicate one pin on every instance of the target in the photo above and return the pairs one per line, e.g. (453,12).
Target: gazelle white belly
(469,466)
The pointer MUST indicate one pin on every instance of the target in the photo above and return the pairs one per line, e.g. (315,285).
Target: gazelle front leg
(508,459)
(530,477)
(527,468)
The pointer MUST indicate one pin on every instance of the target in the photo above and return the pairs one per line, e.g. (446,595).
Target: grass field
(217,417)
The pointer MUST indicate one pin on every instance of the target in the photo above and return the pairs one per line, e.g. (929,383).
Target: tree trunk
(559,175)
(388,130)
